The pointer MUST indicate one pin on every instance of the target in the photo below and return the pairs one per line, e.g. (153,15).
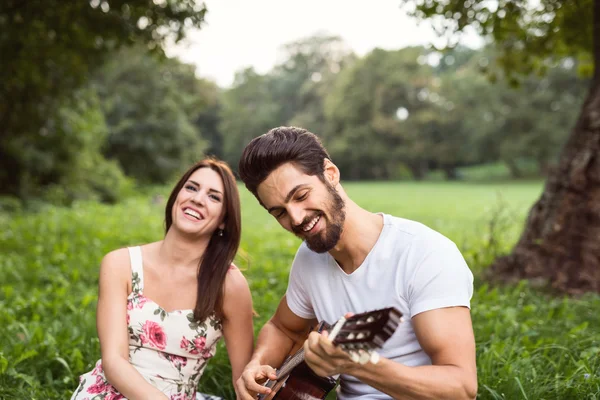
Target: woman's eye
(302,197)
(191,187)
(215,197)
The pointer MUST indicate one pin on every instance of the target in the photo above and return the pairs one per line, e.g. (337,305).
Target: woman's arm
(237,325)
(111,323)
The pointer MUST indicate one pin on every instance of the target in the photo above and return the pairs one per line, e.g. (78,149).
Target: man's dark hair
(280,145)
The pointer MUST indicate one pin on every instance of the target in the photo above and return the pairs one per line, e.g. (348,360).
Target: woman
(163,306)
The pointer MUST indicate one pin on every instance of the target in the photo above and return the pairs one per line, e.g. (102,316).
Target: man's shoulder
(415,233)
(304,255)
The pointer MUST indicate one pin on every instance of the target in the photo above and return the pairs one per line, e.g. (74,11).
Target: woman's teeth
(192,213)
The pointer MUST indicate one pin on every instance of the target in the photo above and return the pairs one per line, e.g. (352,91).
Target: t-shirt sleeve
(296,295)
(441,279)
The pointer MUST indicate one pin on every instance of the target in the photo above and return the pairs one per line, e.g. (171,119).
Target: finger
(348,315)
(242,392)
(250,382)
(269,371)
(314,361)
(326,346)
(317,356)
(313,343)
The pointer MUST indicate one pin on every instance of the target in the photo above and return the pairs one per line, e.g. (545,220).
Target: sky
(242,33)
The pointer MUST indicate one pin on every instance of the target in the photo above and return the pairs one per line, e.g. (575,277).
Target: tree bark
(561,242)
(418,170)
(560,245)
(515,172)
(450,173)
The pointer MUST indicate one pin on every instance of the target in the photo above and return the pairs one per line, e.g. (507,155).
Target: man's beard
(333,228)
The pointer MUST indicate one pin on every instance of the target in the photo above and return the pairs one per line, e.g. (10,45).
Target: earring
(220,232)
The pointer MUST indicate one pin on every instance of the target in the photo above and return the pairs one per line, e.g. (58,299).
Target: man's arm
(445,334)
(283,332)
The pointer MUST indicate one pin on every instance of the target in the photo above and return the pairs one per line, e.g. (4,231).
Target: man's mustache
(299,228)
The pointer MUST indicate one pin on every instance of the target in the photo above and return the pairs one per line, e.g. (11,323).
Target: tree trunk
(515,172)
(450,173)
(560,245)
(544,167)
(418,170)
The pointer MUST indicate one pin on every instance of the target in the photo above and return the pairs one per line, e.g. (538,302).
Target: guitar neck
(298,357)
(291,363)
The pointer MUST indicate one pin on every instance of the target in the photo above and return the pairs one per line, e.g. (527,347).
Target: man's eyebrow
(289,196)
(210,190)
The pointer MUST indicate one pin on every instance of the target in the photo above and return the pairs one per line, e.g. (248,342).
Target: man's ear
(331,172)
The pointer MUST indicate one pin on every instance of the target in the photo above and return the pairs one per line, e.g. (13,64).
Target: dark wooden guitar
(358,335)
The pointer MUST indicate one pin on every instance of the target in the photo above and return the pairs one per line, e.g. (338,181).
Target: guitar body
(302,384)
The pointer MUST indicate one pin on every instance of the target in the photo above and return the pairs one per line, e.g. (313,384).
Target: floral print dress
(169,349)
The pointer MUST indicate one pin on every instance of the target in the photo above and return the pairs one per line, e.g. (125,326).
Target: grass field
(529,345)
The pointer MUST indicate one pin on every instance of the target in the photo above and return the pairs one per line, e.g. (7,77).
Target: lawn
(529,345)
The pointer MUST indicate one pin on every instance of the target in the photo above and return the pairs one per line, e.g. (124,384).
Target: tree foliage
(526,33)
(559,245)
(292,93)
(50,48)
(152,107)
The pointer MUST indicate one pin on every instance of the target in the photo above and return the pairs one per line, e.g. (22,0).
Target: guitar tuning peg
(354,356)
(374,357)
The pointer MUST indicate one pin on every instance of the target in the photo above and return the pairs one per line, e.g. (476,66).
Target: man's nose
(296,216)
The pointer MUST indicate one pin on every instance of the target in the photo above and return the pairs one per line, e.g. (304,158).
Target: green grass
(529,345)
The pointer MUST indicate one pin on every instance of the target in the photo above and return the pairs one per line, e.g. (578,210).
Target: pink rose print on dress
(153,335)
(199,343)
(195,346)
(136,301)
(184,343)
(97,369)
(113,395)
(176,361)
(207,353)
(100,386)
(141,300)
(178,396)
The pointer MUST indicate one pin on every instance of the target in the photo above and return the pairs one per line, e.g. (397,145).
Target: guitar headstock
(361,334)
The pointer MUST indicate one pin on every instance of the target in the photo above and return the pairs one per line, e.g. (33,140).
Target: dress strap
(137,269)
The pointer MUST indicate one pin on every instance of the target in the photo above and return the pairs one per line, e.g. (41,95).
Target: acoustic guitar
(358,335)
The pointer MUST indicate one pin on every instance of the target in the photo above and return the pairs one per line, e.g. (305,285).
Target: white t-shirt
(411,267)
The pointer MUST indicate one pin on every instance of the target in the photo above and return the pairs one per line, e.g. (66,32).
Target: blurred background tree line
(90,104)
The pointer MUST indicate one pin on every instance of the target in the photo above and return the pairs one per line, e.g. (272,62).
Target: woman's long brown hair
(221,250)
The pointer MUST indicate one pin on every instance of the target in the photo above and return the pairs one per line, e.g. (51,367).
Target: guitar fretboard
(291,363)
(299,356)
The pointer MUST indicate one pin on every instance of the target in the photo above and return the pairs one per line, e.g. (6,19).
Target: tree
(50,48)
(151,108)
(248,110)
(532,120)
(291,93)
(307,71)
(560,241)
(376,114)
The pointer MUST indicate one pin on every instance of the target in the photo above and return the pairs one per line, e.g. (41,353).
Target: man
(353,261)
